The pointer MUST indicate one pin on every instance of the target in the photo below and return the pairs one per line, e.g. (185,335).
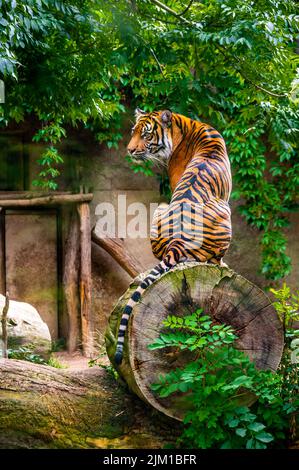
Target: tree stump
(224,295)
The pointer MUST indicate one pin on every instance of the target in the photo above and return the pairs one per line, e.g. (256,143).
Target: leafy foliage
(230,62)
(145,167)
(26,353)
(54,362)
(287,308)
(50,159)
(287,305)
(216,380)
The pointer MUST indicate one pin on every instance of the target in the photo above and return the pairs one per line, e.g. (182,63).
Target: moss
(129,441)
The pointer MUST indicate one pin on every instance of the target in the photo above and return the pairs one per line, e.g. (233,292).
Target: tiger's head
(151,136)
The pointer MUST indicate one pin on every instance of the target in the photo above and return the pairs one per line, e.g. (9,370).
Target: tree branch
(116,248)
(241,72)
(259,87)
(153,54)
(4,326)
(134,6)
(156,59)
(186,9)
(161,20)
(172,12)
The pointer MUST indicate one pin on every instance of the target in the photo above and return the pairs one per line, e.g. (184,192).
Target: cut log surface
(43,407)
(224,295)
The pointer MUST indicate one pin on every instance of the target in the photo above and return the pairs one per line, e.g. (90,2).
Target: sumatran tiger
(196,225)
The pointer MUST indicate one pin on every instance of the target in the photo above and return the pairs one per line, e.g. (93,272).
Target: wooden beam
(2,253)
(31,194)
(70,282)
(46,200)
(85,279)
(116,248)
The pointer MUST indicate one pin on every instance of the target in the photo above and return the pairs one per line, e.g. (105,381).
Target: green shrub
(25,353)
(54,362)
(217,380)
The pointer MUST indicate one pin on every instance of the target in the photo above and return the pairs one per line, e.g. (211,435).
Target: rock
(25,327)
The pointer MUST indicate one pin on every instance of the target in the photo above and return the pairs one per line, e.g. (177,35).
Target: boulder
(25,327)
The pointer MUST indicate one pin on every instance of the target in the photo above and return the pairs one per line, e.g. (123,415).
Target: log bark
(224,295)
(116,248)
(43,407)
(85,279)
(49,200)
(71,283)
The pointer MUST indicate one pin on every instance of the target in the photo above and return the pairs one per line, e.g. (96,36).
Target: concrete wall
(31,262)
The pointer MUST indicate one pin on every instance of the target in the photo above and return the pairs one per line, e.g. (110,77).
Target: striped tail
(165,265)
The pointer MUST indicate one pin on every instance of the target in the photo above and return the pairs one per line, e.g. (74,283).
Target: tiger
(200,179)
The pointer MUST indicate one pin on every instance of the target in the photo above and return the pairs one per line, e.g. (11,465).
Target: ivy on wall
(232,63)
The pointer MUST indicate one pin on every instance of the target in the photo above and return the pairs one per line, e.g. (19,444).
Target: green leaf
(233,422)
(226,445)
(250,444)
(241,432)
(259,445)
(264,437)
(256,427)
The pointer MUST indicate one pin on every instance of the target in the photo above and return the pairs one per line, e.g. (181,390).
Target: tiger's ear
(139,112)
(166,117)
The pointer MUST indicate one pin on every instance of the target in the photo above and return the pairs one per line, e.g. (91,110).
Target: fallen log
(43,407)
(224,295)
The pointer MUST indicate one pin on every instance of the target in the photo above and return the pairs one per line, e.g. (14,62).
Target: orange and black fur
(196,225)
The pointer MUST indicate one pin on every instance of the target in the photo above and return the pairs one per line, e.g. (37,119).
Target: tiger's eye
(146,134)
